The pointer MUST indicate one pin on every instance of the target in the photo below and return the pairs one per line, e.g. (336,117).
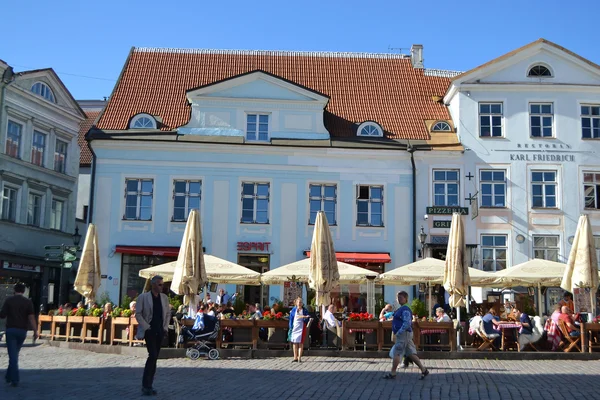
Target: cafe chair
(570,342)
(530,340)
(488,339)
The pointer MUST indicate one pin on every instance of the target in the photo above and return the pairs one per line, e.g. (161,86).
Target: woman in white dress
(298,320)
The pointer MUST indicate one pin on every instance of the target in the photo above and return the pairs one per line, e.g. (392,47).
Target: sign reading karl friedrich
(543,157)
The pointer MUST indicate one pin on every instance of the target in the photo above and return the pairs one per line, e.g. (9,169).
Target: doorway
(438,252)
(254,294)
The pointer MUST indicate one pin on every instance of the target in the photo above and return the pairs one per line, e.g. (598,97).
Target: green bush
(125,302)
(418,308)
(104,298)
(117,312)
(239,306)
(175,301)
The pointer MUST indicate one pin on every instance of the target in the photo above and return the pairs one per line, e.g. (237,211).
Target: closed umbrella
(323,273)
(582,267)
(87,281)
(456,273)
(190,272)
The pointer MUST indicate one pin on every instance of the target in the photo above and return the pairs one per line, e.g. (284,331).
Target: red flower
(279,315)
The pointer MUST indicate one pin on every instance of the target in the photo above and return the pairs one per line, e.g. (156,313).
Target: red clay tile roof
(85,156)
(380,87)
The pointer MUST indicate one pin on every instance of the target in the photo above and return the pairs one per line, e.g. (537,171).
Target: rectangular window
(38,148)
(493,188)
(13,139)
(255,203)
(591,190)
(369,205)
(9,204)
(540,118)
(493,252)
(60,156)
(34,209)
(543,189)
(131,283)
(138,199)
(445,187)
(57,214)
(257,127)
(545,247)
(490,119)
(597,246)
(186,197)
(322,198)
(590,121)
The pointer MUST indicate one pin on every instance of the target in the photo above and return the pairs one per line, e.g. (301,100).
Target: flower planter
(59,318)
(273,323)
(276,332)
(44,319)
(120,320)
(368,339)
(59,325)
(237,323)
(93,325)
(91,320)
(119,332)
(76,319)
(244,331)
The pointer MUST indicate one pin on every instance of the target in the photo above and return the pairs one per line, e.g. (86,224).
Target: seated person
(257,314)
(489,320)
(441,315)
(556,314)
(330,319)
(567,318)
(567,301)
(525,322)
(386,313)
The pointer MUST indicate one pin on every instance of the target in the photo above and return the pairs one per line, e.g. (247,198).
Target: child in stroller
(204,337)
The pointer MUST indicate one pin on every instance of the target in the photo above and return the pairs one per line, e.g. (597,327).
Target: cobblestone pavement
(55,373)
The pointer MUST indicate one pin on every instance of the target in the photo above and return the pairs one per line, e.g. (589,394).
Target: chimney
(416,55)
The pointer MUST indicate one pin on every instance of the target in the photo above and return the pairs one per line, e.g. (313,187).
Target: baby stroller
(204,339)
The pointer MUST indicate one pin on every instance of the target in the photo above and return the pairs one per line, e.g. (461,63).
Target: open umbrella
(456,273)
(323,274)
(349,274)
(190,272)
(87,281)
(582,267)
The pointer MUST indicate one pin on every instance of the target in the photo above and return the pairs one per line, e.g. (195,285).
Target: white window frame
(139,117)
(541,116)
(45,92)
(139,194)
(322,199)
(445,182)
(495,248)
(17,190)
(187,196)
(256,132)
(493,184)
(35,149)
(489,116)
(540,65)
(436,127)
(62,216)
(20,143)
(594,119)
(545,247)
(370,201)
(57,154)
(595,187)
(40,211)
(370,128)
(255,196)
(544,184)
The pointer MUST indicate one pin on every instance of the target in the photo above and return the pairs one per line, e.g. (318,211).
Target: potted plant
(60,315)
(119,318)
(93,315)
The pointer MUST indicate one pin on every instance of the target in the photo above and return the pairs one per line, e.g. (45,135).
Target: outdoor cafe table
(588,332)
(503,327)
(429,328)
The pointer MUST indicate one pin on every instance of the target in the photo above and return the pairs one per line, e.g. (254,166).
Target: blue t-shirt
(525,319)
(488,326)
(402,321)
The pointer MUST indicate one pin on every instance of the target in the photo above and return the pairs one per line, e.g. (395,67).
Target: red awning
(380,258)
(148,251)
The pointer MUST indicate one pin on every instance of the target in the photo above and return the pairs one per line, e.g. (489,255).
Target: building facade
(259,142)
(39,163)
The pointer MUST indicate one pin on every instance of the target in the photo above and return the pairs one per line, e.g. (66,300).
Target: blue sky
(87,42)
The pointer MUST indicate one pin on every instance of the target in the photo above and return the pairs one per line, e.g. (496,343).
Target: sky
(87,42)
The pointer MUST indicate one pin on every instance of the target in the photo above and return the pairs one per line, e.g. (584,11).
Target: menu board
(291,291)
(582,300)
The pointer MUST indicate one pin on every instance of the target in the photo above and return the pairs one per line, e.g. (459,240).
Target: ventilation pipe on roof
(416,56)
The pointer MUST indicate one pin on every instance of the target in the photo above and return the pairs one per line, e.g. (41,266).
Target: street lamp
(76,236)
(422,239)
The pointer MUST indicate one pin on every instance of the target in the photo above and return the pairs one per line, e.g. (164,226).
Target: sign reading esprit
(249,246)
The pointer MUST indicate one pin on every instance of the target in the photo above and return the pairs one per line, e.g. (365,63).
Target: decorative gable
(256,101)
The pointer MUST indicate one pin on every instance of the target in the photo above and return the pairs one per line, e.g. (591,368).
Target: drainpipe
(411,151)
(92,184)
(7,77)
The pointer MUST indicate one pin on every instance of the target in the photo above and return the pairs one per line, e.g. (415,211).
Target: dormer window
(539,71)
(441,126)
(369,129)
(257,127)
(143,121)
(41,89)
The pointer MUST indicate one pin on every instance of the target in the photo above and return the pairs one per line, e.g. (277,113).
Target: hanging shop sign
(21,267)
(441,210)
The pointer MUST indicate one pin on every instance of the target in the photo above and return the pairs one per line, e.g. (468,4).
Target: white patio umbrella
(298,270)
(190,272)
(582,267)
(456,272)
(217,271)
(88,276)
(323,274)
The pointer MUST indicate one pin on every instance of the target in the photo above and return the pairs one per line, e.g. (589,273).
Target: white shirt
(444,318)
(211,313)
(331,320)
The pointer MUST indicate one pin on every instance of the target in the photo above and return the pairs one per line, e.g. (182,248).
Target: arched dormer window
(539,71)
(441,126)
(41,89)
(369,129)
(142,121)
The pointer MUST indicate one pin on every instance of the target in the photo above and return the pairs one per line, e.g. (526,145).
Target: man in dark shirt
(18,311)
